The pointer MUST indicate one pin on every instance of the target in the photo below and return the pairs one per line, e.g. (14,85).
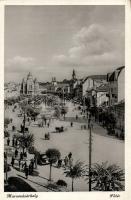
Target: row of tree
(104,177)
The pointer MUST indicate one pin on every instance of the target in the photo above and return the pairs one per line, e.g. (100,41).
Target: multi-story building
(29,86)
(89,86)
(117,98)
(102,98)
(116,85)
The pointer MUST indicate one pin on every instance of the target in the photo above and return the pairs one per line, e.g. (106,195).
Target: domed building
(29,86)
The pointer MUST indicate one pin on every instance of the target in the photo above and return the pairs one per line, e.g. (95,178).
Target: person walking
(21,156)
(59,163)
(48,124)
(70,162)
(13,142)
(19,164)
(26,172)
(30,170)
(66,161)
(25,154)
(8,141)
(71,124)
(16,153)
(16,142)
(24,165)
(12,161)
(69,155)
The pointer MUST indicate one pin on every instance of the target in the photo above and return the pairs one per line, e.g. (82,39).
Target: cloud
(95,45)
(19,64)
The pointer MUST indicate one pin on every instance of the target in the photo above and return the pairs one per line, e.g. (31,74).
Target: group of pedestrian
(29,169)
(68,160)
(14,142)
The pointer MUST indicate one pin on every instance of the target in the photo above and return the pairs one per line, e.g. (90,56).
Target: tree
(57,112)
(64,111)
(53,156)
(111,122)
(30,111)
(75,172)
(107,177)
(26,141)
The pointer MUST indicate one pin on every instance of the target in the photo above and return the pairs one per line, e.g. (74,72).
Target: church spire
(73,75)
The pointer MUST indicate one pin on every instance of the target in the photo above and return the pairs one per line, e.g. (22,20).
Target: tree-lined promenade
(48,131)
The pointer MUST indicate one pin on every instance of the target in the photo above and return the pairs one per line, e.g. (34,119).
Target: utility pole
(6,168)
(90,154)
(24,123)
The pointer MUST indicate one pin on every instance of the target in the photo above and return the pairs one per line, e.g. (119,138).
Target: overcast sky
(53,40)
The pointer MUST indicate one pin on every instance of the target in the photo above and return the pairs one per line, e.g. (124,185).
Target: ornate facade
(30,86)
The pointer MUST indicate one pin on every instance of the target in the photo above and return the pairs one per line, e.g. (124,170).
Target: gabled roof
(115,74)
(96,77)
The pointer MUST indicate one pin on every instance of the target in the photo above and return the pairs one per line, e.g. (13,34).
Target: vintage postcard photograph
(64,98)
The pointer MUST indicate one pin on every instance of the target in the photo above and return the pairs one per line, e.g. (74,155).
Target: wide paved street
(75,140)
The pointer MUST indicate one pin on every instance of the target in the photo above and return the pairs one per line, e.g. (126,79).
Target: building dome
(29,76)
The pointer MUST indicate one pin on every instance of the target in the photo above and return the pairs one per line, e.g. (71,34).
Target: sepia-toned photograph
(64,98)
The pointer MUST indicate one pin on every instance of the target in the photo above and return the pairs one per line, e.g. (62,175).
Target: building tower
(73,75)
(36,86)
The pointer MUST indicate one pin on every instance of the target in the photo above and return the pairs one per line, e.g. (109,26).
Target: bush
(21,185)
(61,183)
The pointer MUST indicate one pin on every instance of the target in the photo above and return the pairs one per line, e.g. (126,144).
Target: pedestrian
(19,163)
(30,170)
(66,160)
(69,155)
(21,156)
(16,142)
(70,162)
(13,128)
(12,161)
(24,165)
(32,164)
(5,155)
(48,124)
(59,163)
(26,172)
(13,142)
(25,154)
(76,117)
(8,141)
(71,124)
(16,153)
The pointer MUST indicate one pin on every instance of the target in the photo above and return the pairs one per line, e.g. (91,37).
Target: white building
(30,86)
(121,85)
(92,82)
